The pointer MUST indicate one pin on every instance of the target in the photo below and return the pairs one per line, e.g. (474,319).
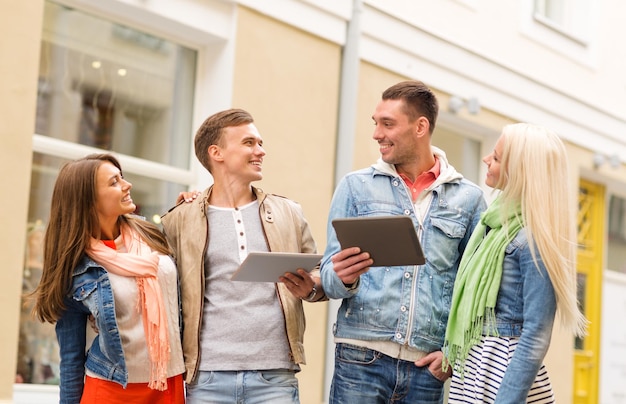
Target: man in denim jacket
(392,320)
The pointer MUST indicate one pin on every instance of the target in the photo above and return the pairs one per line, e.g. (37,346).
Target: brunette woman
(101,261)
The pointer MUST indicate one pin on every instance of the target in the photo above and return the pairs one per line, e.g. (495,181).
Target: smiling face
(493,161)
(396,135)
(240,153)
(112,195)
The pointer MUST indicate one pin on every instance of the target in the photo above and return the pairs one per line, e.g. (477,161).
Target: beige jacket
(186,228)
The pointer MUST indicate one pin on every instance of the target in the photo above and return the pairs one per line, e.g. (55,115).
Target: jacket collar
(203,201)
(448,172)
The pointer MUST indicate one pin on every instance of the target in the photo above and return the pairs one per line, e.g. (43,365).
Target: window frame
(568,39)
(214,44)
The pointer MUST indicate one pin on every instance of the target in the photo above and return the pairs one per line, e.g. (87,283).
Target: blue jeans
(278,386)
(365,376)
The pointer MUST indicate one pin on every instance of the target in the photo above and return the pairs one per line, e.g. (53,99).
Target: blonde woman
(517,272)
(101,261)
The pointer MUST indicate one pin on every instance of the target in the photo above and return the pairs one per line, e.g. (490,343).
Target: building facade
(137,77)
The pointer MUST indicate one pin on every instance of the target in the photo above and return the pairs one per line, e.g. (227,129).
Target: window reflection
(616,249)
(105,85)
(38,352)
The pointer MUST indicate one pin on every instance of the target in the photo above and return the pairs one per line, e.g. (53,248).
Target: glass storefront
(108,88)
(115,88)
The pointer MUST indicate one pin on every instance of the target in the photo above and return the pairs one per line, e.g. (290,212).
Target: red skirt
(105,391)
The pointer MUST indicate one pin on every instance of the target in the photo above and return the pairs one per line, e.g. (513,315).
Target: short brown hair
(210,132)
(419,100)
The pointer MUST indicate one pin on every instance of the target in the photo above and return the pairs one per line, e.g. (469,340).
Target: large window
(103,87)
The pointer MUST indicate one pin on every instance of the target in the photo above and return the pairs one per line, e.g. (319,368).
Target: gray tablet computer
(390,240)
(268,266)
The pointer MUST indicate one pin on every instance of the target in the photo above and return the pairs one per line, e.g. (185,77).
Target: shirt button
(407,212)
(398,336)
(403,308)
(407,275)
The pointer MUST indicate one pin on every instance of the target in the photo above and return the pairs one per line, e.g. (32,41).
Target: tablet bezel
(269,266)
(390,240)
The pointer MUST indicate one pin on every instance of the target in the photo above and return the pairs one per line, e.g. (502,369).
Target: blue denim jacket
(90,293)
(525,308)
(407,305)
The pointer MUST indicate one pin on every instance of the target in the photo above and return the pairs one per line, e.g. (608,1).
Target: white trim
(324,18)
(26,393)
(150,169)
(615,277)
(191,23)
(470,4)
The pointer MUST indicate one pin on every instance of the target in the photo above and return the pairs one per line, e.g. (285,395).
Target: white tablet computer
(268,266)
(390,240)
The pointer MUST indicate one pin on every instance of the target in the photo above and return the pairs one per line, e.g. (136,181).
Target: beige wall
(20,32)
(289,81)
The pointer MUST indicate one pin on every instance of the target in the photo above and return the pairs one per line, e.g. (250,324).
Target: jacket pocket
(84,290)
(442,250)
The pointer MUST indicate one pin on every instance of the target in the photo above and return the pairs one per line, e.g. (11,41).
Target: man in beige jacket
(242,341)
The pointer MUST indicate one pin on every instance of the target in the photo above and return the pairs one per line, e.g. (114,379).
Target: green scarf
(477,283)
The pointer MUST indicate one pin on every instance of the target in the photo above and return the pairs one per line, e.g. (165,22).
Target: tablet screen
(268,266)
(390,240)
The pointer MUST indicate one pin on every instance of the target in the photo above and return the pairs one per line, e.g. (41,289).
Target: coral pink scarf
(142,263)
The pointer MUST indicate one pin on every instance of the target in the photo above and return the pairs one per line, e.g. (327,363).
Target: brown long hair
(73,221)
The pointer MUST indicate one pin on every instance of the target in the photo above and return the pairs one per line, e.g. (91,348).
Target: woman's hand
(187,196)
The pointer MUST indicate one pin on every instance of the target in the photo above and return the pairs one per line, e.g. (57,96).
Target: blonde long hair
(535,174)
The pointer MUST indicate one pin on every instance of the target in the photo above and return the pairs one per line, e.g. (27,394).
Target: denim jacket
(408,305)
(525,308)
(90,292)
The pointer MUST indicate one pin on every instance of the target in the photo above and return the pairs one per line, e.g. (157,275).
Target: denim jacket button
(403,308)
(407,275)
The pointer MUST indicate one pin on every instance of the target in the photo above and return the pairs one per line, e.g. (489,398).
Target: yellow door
(589,268)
